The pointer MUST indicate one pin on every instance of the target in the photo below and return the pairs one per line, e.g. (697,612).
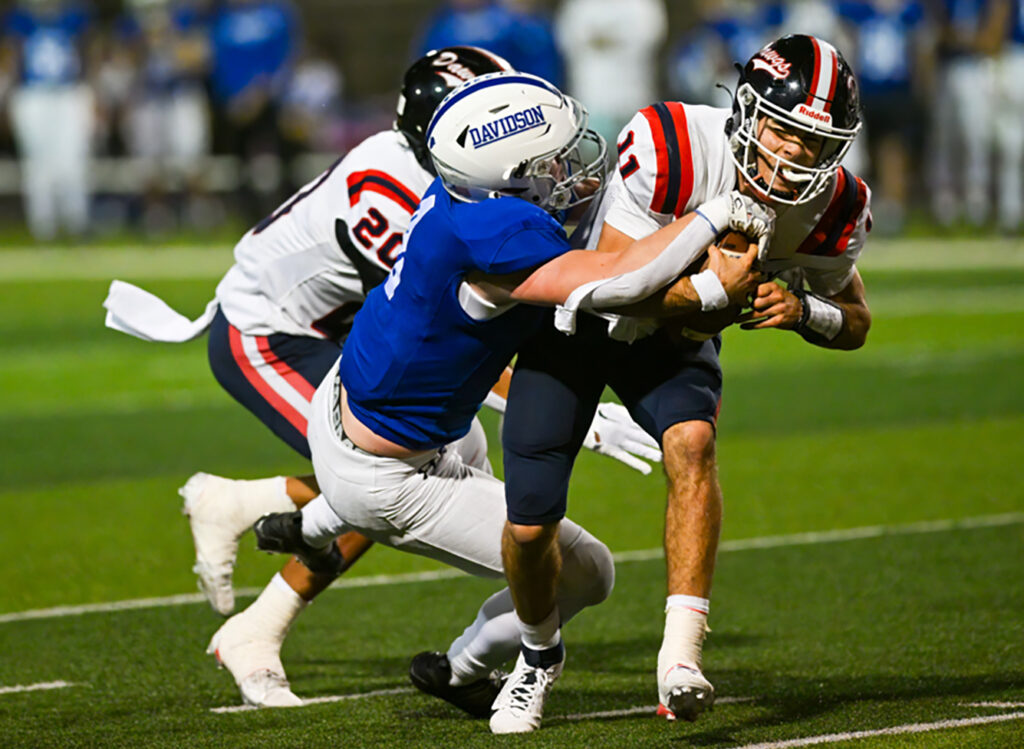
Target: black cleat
(430,673)
(281,532)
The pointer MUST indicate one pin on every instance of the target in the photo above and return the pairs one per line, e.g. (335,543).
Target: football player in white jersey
(277,325)
(794,116)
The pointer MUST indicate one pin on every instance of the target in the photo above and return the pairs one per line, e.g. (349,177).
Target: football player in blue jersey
(484,252)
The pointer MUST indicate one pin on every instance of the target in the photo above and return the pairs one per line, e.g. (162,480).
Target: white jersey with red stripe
(305,269)
(673,157)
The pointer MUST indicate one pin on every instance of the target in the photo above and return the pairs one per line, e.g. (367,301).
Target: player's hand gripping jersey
(306,268)
(425,349)
(674,156)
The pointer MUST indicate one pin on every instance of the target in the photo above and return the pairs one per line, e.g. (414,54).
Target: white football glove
(615,434)
(737,212)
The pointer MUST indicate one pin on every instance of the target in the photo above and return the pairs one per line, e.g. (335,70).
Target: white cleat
(254,662)
(215,509)
(519,706)
(684,693)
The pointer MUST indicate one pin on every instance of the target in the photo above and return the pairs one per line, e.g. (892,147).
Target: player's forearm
(554,281)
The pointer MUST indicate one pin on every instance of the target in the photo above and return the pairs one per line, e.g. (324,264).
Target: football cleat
(281,532)
(519,706)
(684,693)
(254,662)
(217,520)
(430,673)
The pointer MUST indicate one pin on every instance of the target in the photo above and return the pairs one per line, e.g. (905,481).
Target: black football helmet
(804,84)
(428,81)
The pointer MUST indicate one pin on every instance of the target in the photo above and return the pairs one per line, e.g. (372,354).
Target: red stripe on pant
(278,403)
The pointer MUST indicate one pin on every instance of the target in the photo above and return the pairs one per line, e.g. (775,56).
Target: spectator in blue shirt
(887,59)
(513,30)
(253,44)
(51,109)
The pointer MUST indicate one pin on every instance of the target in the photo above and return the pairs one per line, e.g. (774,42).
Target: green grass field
(870,589)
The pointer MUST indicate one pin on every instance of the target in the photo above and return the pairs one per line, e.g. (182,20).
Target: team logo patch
(507,126)
(772,63)
(813,114)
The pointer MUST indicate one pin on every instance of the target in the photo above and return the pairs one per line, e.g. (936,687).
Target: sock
(264,496)
(320,523)
(275,609)
(542,642)
(685,627)
(491,640)
(700,605)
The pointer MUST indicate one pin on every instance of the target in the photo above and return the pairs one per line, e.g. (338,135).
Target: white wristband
(710,290)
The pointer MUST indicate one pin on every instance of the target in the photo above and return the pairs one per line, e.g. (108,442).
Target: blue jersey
(885,35)
(527,41)
(417,366)
(255,40)
(1017,21)
(49,44)
(745,33)
(965,18)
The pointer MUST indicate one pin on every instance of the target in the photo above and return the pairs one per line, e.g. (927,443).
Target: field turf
(870,589)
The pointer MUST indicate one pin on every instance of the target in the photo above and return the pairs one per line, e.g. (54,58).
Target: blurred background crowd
(157,115)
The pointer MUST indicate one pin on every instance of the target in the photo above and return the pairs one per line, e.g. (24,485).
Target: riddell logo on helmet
(507,126)
(814,114)
(772,63)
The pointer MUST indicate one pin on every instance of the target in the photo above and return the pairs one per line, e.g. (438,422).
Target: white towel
(137,312)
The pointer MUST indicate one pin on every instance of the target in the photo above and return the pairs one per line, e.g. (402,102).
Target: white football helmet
(514,134)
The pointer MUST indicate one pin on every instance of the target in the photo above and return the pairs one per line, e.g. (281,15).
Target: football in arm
(734,244)
(700,326)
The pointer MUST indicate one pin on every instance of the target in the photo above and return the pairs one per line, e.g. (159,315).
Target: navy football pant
(555,390)
(273,376)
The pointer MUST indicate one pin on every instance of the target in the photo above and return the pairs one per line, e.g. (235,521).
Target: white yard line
(834,738)
(764,542)
(319,700)
(844,534)
(40,687)
(638,710)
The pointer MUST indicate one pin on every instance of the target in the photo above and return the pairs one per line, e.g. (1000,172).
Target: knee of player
(531,535)
(688,445)
(589,571)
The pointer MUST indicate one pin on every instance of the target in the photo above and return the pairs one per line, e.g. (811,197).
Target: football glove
(615,434)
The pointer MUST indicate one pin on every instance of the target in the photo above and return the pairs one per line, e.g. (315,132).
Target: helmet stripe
(826,71)
(475,84)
